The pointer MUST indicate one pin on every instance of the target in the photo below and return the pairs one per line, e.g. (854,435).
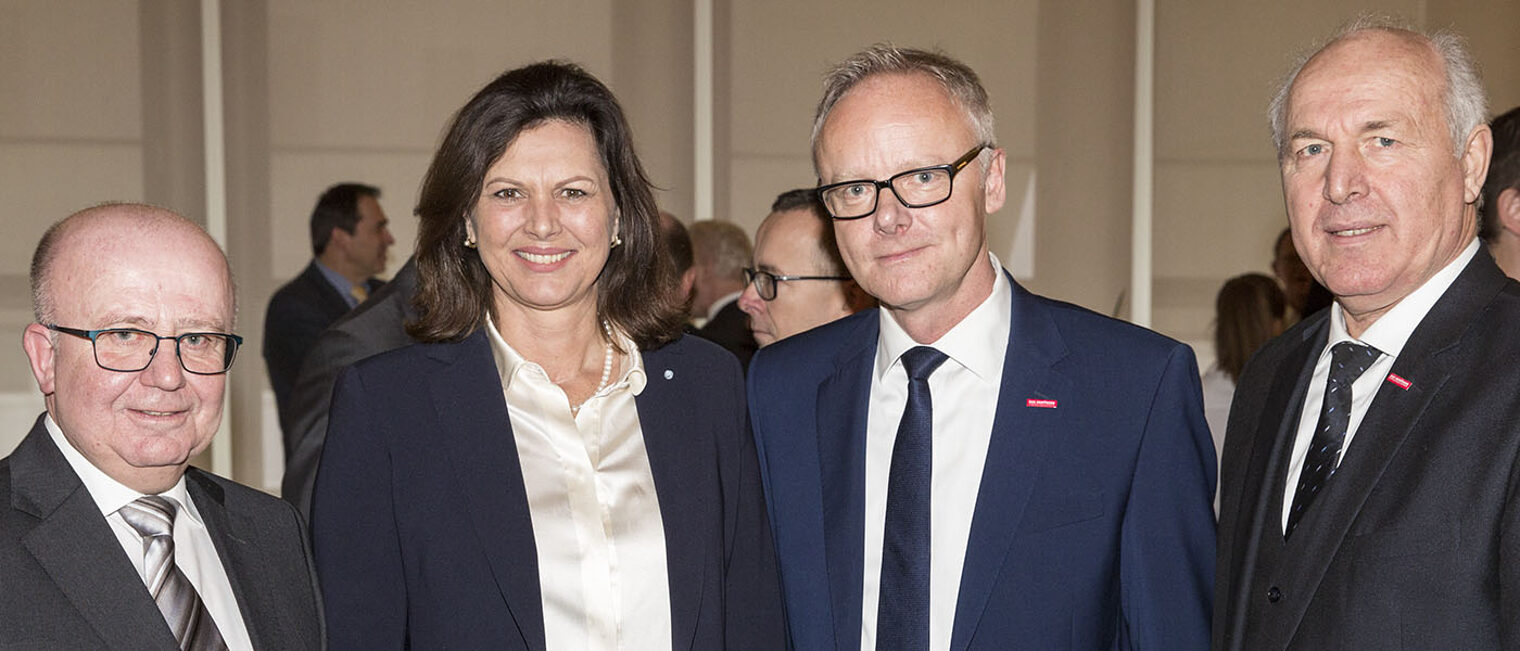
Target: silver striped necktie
(153,518)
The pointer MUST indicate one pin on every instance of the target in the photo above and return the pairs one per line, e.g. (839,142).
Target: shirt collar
(338,282)
(110,495)
(984,329)
(1392,330)
(510,363)
(722,302)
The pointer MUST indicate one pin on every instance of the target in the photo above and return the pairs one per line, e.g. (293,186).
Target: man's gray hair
(721,246)
(1465,99)
(958,80)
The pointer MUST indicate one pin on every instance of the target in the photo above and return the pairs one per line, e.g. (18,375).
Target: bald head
(88,229)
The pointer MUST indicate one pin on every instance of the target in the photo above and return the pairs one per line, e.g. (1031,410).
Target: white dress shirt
(194,551)
(1388,334)
(591,495)
(964,392)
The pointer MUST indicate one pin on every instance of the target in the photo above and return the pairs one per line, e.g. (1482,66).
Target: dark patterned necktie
(1347,363)
(902,612)
(153,518)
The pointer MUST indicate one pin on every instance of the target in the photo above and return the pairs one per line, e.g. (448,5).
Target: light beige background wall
(100,99)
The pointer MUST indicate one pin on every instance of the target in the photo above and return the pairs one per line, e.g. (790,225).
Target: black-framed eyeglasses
(128,350)
(915,188)
(765,281)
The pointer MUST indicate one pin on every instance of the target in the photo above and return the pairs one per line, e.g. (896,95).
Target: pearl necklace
(606,370)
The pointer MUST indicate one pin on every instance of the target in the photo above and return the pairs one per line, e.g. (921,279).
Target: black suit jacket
(374,327)
(65,583)
(1414,543)
(421,523)
(297,314)
(729,328)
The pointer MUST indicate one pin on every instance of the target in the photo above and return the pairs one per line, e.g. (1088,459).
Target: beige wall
(100,99)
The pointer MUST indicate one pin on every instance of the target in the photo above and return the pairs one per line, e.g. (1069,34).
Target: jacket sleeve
(354,532)
(1167,548)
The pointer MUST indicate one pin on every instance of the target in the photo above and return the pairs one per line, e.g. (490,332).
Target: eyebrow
(1372,125)
(192,325)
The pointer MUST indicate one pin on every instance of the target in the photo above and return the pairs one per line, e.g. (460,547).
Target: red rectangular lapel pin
(1399,382)
(1044,403)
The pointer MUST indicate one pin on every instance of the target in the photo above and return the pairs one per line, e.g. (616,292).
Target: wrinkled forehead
(162,275)
(1373,59)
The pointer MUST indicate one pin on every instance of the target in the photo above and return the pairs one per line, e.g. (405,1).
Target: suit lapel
(476,431)
(1021,436)
(842,409)
(243,559)
(1271,444)
(76,547)
(684,484)
(1427,362)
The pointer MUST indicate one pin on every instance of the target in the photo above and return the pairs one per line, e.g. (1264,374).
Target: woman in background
(1249,310)
(557,467)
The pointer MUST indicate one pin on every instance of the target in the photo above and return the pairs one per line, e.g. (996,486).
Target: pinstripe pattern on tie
(153,519)
(1348,361)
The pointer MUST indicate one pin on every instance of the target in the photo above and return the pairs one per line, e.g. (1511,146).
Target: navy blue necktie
(902,612)
(1348,361)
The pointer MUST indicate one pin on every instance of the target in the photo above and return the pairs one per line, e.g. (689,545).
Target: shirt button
(1274,595)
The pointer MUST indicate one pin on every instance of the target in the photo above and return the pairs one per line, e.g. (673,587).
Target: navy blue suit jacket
(421,523)
(1093,528)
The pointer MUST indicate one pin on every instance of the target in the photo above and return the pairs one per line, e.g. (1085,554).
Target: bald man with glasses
(108,538)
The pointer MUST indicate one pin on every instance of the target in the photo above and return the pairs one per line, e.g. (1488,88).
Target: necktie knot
(921,361)
(150,516)
(359,292)
(1349,360)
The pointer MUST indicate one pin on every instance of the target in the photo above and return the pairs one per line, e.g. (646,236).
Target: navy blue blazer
(1093,528)
(420,519)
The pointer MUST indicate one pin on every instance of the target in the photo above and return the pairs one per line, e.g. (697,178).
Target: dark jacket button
(1274,595)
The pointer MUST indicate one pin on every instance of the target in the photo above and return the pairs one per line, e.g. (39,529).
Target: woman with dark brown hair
(556,466)
(1249,310)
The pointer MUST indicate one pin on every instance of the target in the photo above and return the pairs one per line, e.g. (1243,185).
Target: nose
(164,371)
(1345,177)
(542,218)
(750,301)
(891,215)
(387,237)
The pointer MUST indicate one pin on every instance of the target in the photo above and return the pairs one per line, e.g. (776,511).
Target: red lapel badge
(1043,403)
(1399,382)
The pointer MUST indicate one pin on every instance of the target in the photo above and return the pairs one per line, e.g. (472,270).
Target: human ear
(40,349)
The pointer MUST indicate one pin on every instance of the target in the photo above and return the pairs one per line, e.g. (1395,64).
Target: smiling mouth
(1353,232)
(541,258)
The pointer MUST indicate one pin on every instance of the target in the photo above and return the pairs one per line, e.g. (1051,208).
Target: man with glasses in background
(795,247)
(107,537)
(970,466)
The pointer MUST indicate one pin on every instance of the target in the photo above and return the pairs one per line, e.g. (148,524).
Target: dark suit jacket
(421,523)
(297,314)
(729,328)
(1093,528)
(1413,544)
(374,327)
(65,583)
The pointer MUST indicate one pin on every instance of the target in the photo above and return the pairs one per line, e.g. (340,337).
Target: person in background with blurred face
(556,466)
(795,250)
(107,536)
(911,449)
(1370,459)
(349,239)
(1499,213)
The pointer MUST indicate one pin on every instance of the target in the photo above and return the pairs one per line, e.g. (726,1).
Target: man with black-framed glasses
(798,282)
(108,538)
(970,466)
